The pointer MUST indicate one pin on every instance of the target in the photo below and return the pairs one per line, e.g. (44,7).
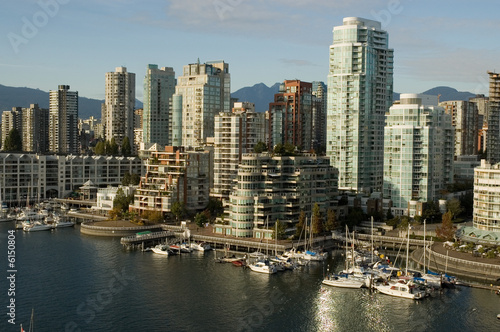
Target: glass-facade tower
(159,86)
(360,86)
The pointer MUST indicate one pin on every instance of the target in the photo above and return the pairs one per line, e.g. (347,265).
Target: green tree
(107,147)
(389,215)
(405,221)
(200,219)
(300,225)
(13,141)
(280,230)
(355,216)
(215,207)
(113,147)
(467,202)
(122,201)
(126,147)
(100,148)
(331,220)
(135,179)
(260,147)
(115,213)
(454,206)
(289,149)
(431,212)
(279,149)
(126,179)
(178,210)
(317,220)
(446,231)
(154,217)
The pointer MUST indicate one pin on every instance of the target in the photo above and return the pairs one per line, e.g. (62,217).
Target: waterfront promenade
(460,264)
(438,258)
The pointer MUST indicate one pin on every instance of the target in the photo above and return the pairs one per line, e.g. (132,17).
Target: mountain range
(259,94)
(23,97)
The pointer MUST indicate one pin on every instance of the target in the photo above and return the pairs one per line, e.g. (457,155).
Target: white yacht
(315,256)
(58,223)
(160,249)
(200,246)
(263,267)
(401,289)
(36,227)
(344,281)
(29,215)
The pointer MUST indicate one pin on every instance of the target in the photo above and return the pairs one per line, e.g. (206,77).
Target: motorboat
(186,248)
(402,289)
(344,280)
(263,267)
(160,249)
(315,256)
(37,226)
(200,246)
(58,223)
(29,215)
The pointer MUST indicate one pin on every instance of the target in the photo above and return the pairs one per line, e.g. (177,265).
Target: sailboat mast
(424,245)
(267,240)
(407,249)
(372,239)
(276,239)
(346,246)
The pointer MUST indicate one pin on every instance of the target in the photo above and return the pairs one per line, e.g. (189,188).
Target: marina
(166,291)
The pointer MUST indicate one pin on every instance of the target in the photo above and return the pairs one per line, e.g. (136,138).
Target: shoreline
(476,272)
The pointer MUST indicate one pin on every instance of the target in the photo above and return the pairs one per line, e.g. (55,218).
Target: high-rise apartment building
(119,104)
(11,120)
(464,117)
(32,123)
(290,115)
(202,92)
(418,151)
(174,175)
(63,121)
(236,133)
(319,115)
(360,88)
(35,132)
(159,86)
(493,133)
(273,187)
(486,197)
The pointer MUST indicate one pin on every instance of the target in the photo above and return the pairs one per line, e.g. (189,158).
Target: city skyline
(262,41)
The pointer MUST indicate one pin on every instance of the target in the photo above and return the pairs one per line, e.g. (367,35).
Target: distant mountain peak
(24,96)
(448,93)
(260,94)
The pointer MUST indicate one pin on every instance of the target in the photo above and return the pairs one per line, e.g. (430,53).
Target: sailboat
(3,209)
(402,288)
(263,265)
(312,255)
(344,280)
(32,325)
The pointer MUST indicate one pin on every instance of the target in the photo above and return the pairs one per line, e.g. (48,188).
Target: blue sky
(435,43)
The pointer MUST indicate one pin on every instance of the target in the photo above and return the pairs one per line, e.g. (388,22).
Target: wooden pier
(172,234)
